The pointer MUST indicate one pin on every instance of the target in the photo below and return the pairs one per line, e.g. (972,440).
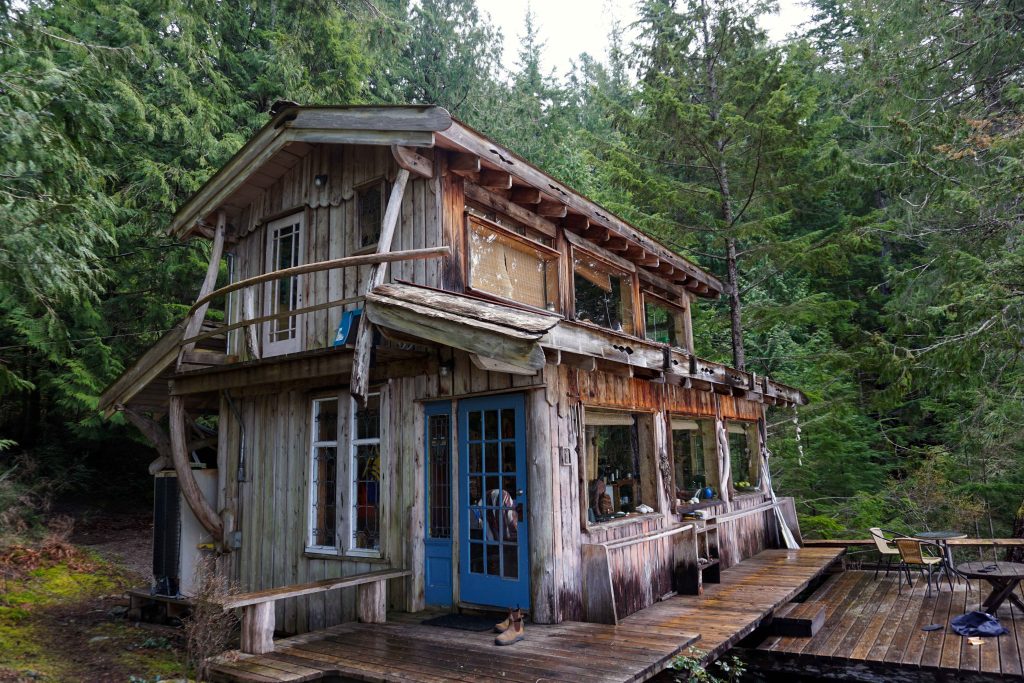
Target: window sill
(621,521)
(325,554)
(368,249)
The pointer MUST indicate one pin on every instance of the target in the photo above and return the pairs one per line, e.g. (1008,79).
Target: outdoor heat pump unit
(177,534)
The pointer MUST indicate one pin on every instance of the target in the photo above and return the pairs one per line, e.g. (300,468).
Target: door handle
(520,492)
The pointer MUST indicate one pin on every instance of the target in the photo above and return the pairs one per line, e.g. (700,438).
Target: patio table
(940,538)
(1004,578)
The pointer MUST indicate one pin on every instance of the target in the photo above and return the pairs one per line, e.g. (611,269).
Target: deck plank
(641,646)
(870,624)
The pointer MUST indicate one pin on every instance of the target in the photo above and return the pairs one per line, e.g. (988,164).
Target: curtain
(766,478)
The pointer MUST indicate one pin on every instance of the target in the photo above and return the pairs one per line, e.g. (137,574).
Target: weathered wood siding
(330,232)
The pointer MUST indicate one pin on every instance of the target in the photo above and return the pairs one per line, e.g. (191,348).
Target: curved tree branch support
(200,507)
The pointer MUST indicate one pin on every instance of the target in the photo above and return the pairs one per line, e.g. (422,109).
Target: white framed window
(323,477)
(284,250)
(363,518)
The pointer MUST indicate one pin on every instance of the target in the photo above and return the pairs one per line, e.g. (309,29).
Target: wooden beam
(464,164)
(495,365)
(344,262)
(552,209)
(525,195)
(495,180)
(498,203)
(258,629)
(190,490)
(650,278)
(616,243)
(576,222)
(198,312)
(156,436)
(586,245)
(364,337)
(413,162)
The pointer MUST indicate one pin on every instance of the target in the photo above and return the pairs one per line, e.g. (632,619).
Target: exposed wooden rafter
(495,180)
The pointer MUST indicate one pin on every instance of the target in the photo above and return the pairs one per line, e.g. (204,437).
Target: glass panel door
(493,549)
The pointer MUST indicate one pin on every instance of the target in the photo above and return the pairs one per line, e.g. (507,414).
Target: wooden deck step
(800,619)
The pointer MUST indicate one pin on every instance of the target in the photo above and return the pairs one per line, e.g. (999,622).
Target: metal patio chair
(912,553)
(885,548)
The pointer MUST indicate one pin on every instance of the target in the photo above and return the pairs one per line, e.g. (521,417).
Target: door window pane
(439,524)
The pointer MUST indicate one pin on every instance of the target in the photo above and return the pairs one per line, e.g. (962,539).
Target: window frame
(634,292)
(638,487)
(526,241)
(680,319)
(271,347)
(749,430)
(348,522)
(310,545)
(358,247)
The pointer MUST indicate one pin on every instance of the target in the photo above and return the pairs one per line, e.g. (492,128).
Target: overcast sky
(569,27)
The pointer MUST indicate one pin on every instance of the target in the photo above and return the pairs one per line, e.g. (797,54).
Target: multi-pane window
(512,267)
(284,250)
(492,477)
(365,475)
(439,476)
(323,475)
(604,294)
(370,199)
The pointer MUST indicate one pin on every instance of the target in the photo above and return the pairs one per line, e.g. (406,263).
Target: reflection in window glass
(739,458)
(660,324)
(283,295)
(365,474)
(612,466)
(688,457)
(323,474)
(505,266)
(604,295)
(370,207)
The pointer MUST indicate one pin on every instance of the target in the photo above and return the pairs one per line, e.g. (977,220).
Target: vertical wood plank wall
(330,232)
(270,505)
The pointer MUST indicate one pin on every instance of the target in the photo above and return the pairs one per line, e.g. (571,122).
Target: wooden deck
(872,633)
(638,648)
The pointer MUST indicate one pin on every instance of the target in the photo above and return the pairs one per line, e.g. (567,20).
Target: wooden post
(540,463)
(195,321)
(364,337)
(258,628)
(186,481)
(371,602)
(252,337)
(598,596)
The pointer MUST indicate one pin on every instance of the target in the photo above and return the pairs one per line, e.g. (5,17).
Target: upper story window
(370,205)
(604,293)
(512,267)
(284,250)
(665,322)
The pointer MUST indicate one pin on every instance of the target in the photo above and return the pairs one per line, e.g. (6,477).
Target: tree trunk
(1016,554)
(739,356)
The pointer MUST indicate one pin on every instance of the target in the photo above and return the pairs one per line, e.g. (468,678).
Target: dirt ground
(63,618)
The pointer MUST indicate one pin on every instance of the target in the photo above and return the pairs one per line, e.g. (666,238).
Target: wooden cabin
(442,379)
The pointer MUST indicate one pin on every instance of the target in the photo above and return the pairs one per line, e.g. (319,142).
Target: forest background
(860,187)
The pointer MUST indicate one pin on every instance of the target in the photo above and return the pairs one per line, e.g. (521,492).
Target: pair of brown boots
(511,630)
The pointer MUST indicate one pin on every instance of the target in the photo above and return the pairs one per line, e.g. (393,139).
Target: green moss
(21,648)
(59,584)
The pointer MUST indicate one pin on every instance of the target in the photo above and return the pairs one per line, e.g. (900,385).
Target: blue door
(438,499)
(493,557)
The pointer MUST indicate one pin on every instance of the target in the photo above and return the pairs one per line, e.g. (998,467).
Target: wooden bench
(258,607)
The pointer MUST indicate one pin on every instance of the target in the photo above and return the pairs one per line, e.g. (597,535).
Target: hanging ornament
(799,444)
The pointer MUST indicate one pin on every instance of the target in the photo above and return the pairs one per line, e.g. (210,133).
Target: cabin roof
(287,137)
